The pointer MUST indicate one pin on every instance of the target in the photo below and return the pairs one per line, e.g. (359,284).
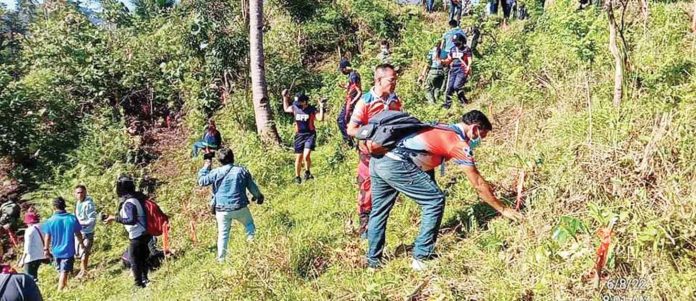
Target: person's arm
(47,245)
(486,193)
(354,123)
(131,215)
(79,237)
(252,187)
(358,94)
(468,59)
(448,60)
(287,108)
(205,176)
(320,115)
(91,213)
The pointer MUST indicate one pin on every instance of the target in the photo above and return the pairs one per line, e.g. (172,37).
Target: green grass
(306,249)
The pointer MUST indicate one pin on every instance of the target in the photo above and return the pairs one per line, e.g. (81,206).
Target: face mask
(473,143)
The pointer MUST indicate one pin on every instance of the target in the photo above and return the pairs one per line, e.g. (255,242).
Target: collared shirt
(371,104)
(230,183)
(62,227)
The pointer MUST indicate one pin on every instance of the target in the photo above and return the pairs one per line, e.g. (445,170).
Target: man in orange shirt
(380,98)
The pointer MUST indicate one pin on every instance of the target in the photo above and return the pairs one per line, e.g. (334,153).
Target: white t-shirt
(33,244)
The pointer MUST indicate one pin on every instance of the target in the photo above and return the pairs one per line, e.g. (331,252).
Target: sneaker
(308,175)
(418,265)
(298,180)
(250,238)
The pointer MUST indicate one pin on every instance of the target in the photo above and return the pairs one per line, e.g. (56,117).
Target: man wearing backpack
(17,286)
(230,183)
(132,214)
(353,93)
(382,97)
(305,132)
(409,169)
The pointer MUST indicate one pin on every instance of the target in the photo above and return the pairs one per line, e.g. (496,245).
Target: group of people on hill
(456,8)
(408,168)
(66,236)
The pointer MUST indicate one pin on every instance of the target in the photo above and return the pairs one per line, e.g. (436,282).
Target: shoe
(250,238)
(308,175)
(446,106)
(298,180)
(418,265)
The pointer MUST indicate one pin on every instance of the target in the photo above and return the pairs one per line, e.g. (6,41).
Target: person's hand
(47,253)
(109,219)
(512,214)
(285,93)
(420,79)
(207,163)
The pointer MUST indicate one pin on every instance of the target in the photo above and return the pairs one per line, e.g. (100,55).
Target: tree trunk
(645,11)
(618,60)
(262,108)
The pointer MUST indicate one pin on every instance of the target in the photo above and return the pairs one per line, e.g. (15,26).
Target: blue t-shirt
(447,37)
(62,227)
(431,58)
(304,118)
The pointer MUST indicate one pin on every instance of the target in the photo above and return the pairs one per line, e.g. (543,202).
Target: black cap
(59,203)
(300,97)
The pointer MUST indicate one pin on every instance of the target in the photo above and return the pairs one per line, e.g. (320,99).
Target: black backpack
(385,130)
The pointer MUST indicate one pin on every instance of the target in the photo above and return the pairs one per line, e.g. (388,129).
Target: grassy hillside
(546,83)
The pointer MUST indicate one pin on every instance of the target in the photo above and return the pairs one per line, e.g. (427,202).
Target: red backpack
(156,219)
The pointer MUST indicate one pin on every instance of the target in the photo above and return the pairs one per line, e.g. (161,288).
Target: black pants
(342,122)
(139,253)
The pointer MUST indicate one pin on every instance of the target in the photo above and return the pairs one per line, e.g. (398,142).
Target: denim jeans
(224,223)
(430,5)
(389,178)
(506,4)
(455,10)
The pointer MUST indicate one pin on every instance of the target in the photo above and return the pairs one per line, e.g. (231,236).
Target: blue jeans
(389,177)
(455,11)
(224,223)
(430,5)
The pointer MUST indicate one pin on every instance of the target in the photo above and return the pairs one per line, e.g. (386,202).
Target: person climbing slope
(382,97)
(305,132)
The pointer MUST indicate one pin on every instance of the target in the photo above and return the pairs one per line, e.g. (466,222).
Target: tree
(620,53)
(262,108)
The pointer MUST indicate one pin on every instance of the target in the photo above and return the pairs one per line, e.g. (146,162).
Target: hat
(343,64)
(59,203)
(300,97)
(31,217)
